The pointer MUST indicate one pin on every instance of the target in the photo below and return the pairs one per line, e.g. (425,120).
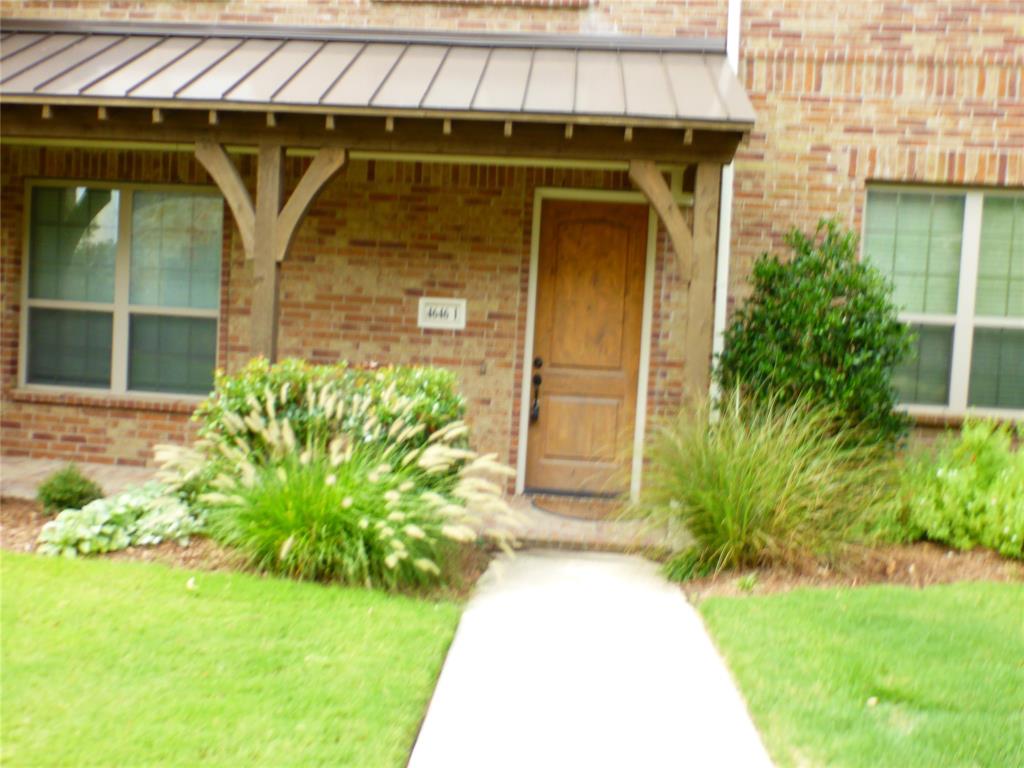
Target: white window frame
(120,308)
(964,321)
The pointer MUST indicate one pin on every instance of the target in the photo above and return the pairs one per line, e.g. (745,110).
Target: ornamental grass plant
(367,490)
(762,483)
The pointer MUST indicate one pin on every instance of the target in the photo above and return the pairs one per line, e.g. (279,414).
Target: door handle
(535,405)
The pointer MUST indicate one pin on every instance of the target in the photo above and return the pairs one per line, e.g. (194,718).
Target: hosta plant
(141,516)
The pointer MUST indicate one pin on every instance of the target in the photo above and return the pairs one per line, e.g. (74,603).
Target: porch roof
(612,81)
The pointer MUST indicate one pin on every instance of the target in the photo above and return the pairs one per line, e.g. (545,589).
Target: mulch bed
(913,565)
(21,520)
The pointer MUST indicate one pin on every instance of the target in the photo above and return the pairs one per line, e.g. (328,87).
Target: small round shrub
(820,325)
(67,488)
(763,483)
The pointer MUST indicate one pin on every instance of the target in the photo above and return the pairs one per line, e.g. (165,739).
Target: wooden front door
(586,350)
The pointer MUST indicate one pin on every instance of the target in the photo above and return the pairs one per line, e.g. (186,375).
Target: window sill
(935,420)
(182,404)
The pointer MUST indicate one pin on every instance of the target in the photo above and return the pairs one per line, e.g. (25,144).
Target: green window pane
(997,368)
(73,243)
(923,378)
(915,239)
(69,347)
(171,354)
(1001,258)
(176,249)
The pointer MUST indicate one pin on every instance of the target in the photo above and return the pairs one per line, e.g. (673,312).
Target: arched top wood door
(586,349)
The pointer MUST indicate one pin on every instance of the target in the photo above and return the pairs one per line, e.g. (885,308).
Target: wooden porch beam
(217,163)
(363,133)
(648,179)
(266,270)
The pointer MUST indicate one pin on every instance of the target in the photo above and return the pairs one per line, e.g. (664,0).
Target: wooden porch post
(267,229)
(696,250)
(266,270)
(701,299)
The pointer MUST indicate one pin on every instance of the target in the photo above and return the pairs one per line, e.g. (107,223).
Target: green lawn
(946,665)
(118,664)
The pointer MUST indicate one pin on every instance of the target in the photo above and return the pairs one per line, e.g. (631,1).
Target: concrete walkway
(584,659)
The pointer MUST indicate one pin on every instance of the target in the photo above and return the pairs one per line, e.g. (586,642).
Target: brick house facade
(846,96)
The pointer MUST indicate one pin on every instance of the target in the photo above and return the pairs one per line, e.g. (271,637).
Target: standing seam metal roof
(618,79)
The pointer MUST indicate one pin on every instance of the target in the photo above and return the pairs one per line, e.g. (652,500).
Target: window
(122,289)
(956,260)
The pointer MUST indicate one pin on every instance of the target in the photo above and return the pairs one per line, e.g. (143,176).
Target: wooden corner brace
(697,252)
(267,229)
(327,162)
(648,179)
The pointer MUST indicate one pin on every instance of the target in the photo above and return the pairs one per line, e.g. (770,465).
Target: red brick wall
(846,93)
(687,18)
(927,92)
(381,235)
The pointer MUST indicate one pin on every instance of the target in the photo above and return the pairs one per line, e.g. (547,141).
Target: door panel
(590,283)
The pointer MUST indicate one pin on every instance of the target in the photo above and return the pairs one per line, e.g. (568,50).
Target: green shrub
(67,488)
(141,516)
(764,483)
(322,401)
(967,491)
(374,486)
(821,325)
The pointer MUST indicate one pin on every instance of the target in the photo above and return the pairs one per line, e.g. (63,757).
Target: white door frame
(600,196)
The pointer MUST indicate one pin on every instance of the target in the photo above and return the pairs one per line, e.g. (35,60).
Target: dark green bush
(821,325)
(764,483)
(67,488)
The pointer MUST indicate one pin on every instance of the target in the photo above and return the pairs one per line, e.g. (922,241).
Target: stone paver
(584,659)
(21,476)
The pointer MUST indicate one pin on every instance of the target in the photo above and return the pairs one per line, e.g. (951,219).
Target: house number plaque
(449,314)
